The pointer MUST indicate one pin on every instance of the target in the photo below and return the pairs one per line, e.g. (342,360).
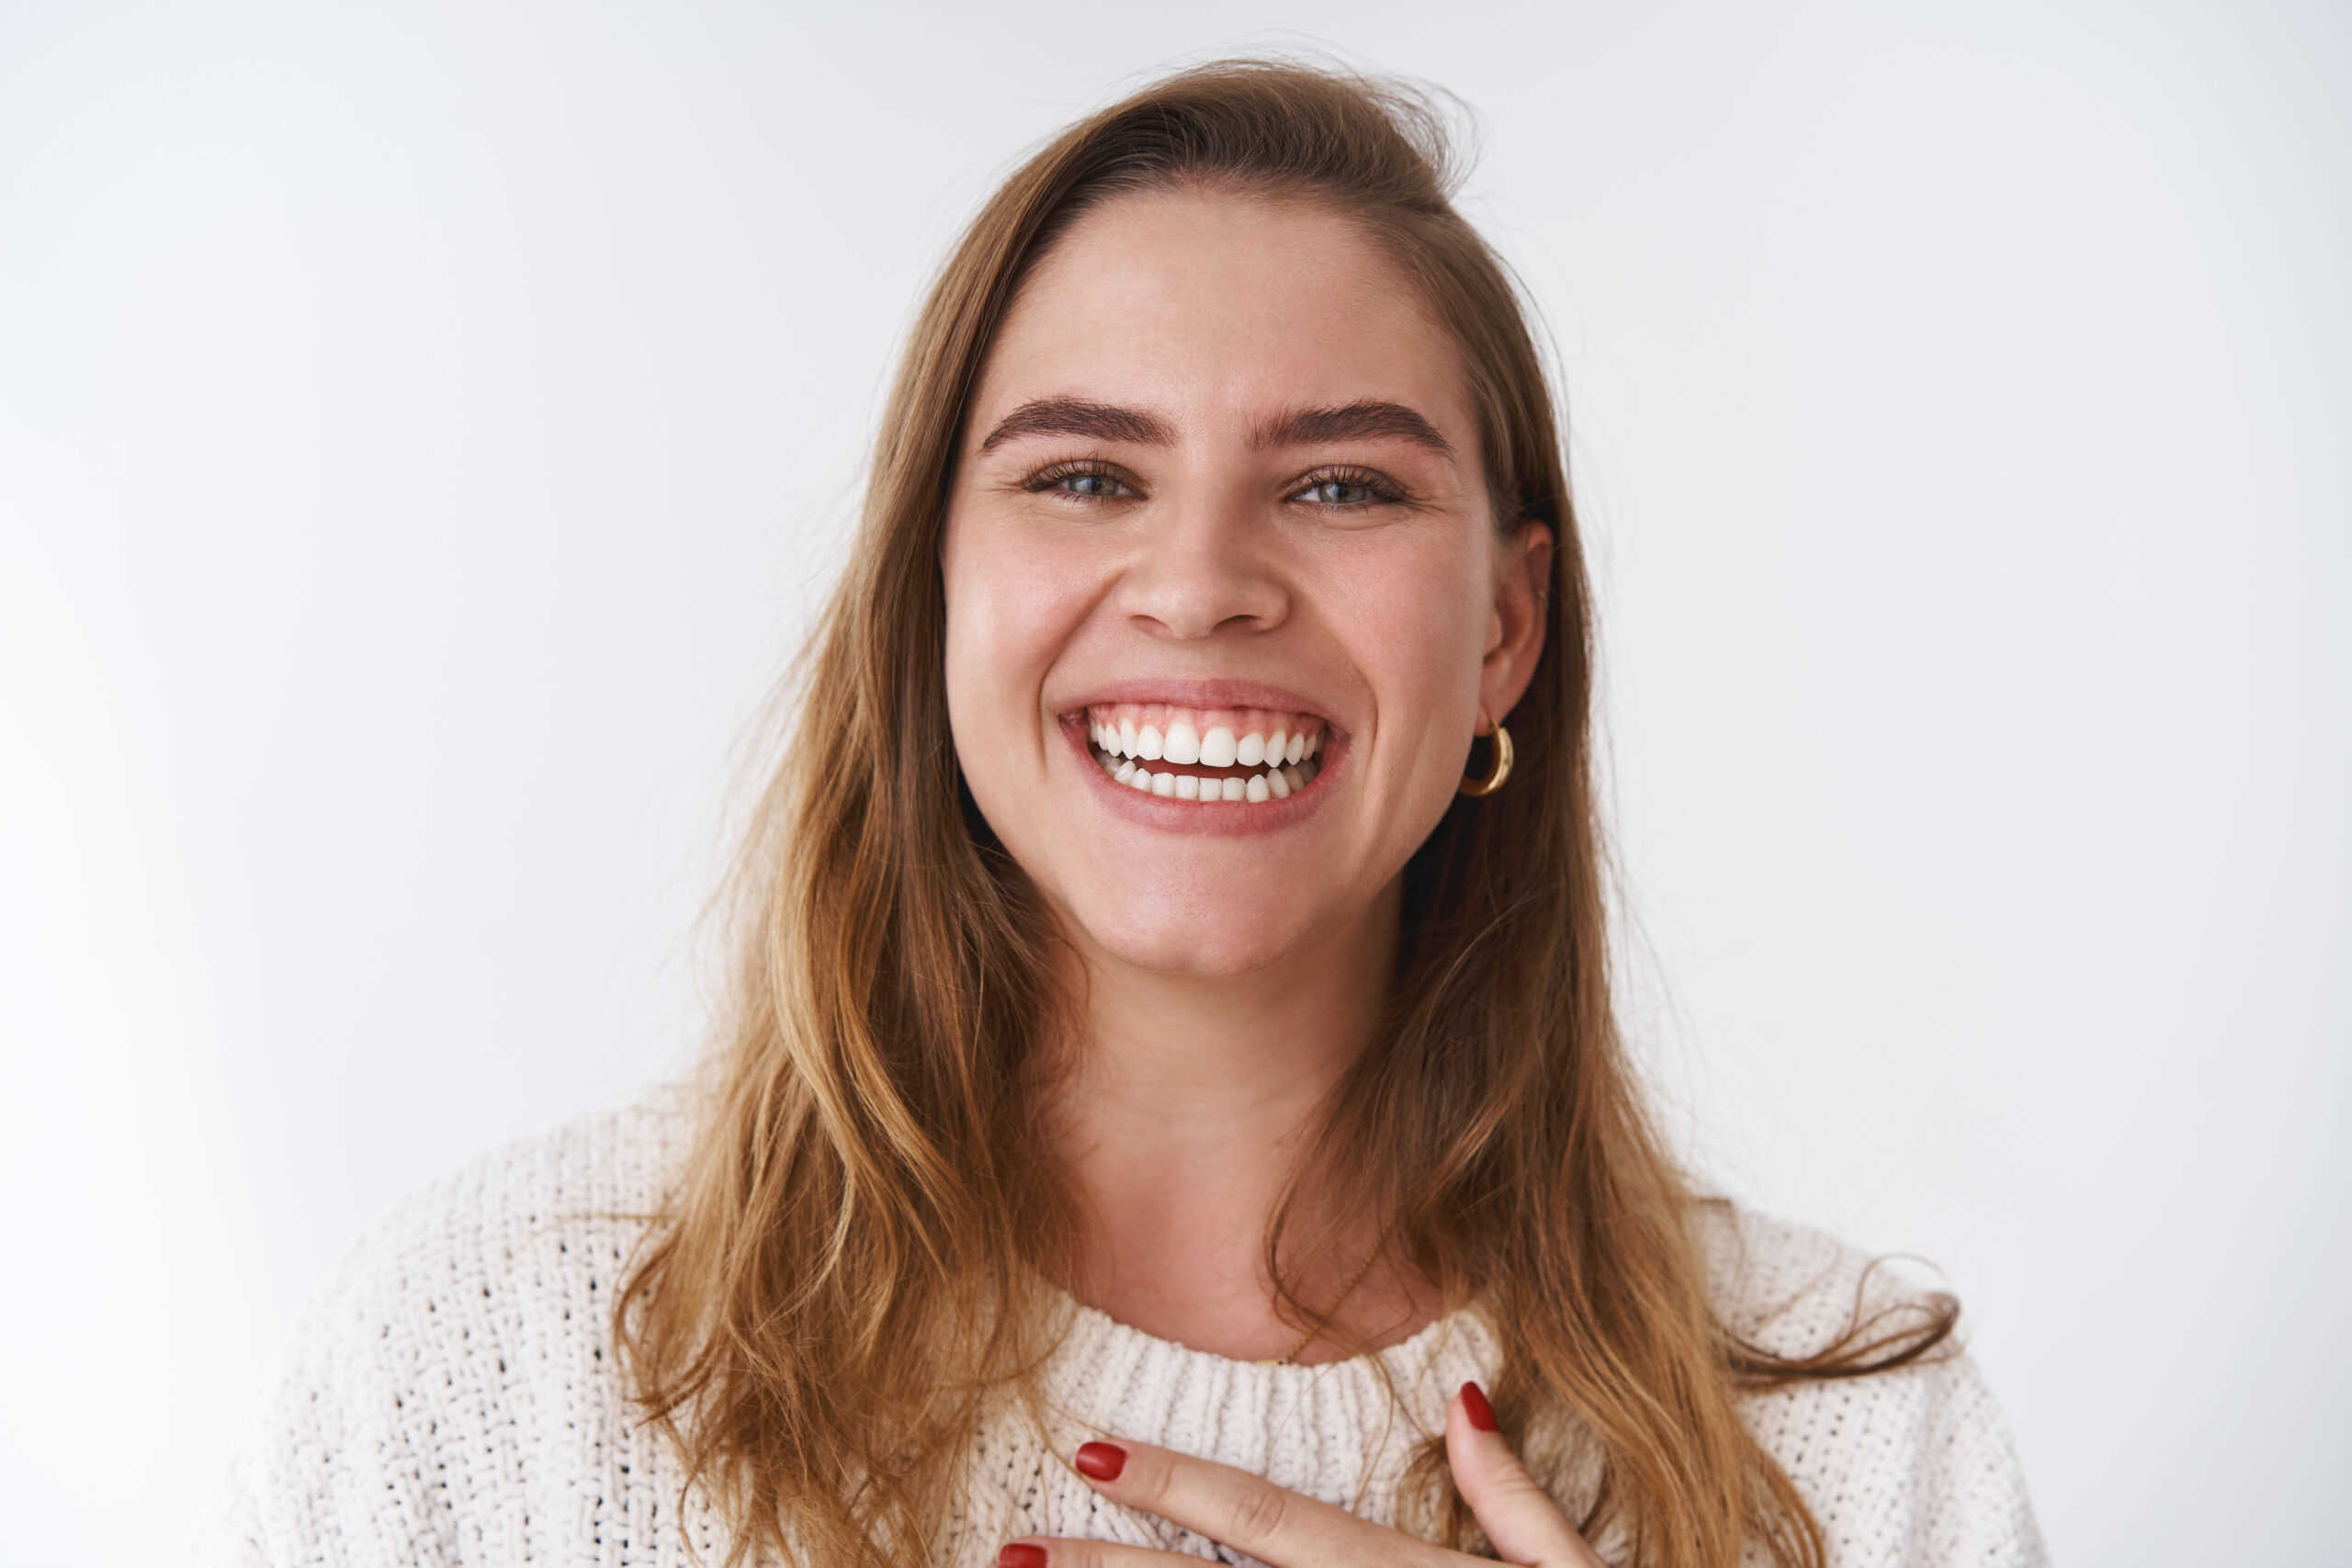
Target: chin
(1212,939)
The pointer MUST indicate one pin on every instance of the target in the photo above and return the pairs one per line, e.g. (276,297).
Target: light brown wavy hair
(855,1268)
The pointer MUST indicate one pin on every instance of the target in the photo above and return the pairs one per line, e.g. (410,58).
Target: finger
(1039,1552)
(1241,1510)
(1518,1517)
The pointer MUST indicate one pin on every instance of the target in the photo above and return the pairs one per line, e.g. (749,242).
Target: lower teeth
(1275,784)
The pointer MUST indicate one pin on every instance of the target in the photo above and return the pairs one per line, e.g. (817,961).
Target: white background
(422,428)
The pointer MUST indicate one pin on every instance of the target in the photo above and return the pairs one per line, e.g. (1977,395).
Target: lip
(1201,694)
(1219,819)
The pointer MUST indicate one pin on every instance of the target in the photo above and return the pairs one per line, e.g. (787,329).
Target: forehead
(1212,306)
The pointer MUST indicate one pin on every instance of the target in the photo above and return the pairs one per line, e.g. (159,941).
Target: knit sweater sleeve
(447,1397)
(327,1467)
(1911,1467)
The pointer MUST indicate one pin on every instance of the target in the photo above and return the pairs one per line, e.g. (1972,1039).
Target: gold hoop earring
(1501,770)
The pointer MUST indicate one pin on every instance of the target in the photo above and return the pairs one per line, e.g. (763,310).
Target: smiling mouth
(1246,755)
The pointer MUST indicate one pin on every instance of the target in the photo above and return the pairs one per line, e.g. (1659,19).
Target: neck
(1182,1122)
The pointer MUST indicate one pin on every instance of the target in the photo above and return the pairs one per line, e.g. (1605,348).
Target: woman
(1168,1106)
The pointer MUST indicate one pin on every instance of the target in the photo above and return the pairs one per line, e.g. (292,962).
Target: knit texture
(450,1397)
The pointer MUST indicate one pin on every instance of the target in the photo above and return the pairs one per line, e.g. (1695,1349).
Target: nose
(1202,569)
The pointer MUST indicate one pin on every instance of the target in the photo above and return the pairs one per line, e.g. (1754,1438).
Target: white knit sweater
(450,1396)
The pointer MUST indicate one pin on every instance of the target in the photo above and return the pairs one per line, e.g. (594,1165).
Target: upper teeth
(1284,744)
(1213,737)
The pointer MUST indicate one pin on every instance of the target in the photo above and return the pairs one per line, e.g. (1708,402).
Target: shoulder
(604,1174)
(541,1224)
(1913,1465)
(1790,1289)
(453,1382)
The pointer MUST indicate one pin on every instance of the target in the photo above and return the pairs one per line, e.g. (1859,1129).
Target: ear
(1515,635)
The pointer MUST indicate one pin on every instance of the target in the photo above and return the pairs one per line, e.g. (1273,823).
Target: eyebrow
(1074,416)
(1366,420)
(1369,420)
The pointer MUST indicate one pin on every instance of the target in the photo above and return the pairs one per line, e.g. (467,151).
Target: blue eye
(1085,480)
(1339,492)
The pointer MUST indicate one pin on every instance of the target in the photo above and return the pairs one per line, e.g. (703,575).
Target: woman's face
(1219,494)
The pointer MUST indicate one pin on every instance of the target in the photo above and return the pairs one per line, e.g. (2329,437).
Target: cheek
(1009,612)
(1418,619)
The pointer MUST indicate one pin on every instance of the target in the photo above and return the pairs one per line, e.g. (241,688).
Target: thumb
(1518,1517)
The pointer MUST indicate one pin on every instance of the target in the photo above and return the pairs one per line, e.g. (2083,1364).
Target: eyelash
(1081,468)
(1380,488)
(1381,491)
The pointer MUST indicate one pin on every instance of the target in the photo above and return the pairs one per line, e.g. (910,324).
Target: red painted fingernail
(1021,1554)
(1474,1405)
(1100,1462)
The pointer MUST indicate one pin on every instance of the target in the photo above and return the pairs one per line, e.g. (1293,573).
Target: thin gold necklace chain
(1338,1302)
